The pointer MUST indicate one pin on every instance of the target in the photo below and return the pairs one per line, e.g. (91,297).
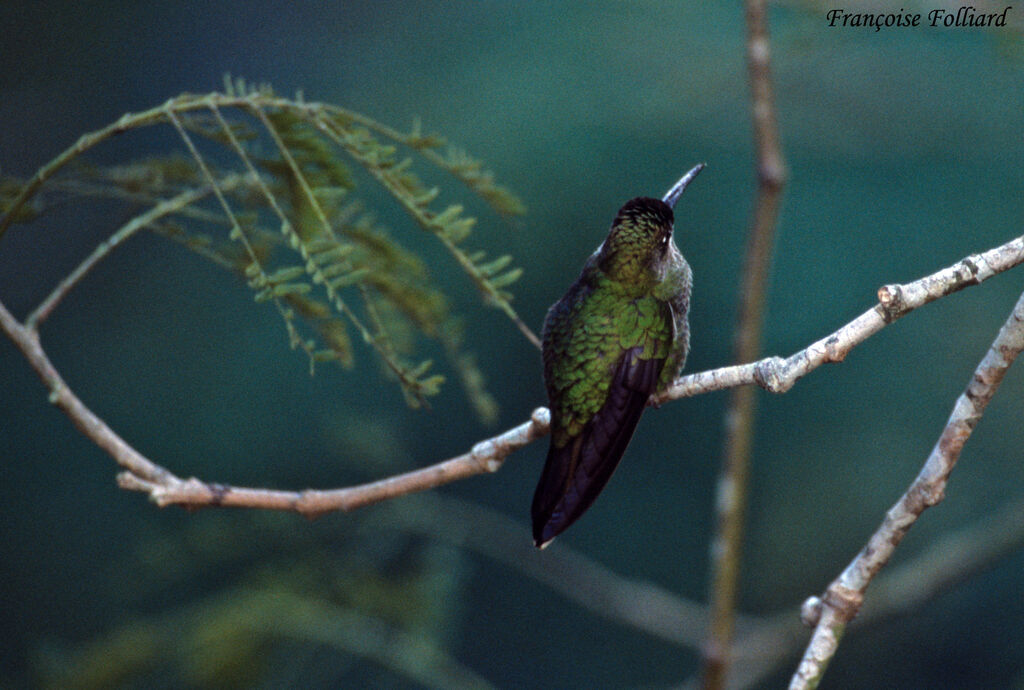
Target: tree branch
(778,375)
(644,606)
(485,456)
(774,374)
(87,422)
(731,495)
(762,643)
(842,600)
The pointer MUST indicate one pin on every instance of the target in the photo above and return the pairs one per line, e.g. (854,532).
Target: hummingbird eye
(663,242)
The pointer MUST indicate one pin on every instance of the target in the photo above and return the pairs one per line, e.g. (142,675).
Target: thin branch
(426,220)
(486,456)
(739,419)
(165,208)
(778,375)
(310,198)
(643,606)
(85,142)
(87,422)
(842,600)
(255,103)
(774,374)
(945,563)
(128,122)
(763,645)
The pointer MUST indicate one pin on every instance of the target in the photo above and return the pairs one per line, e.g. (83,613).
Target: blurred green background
(905,150)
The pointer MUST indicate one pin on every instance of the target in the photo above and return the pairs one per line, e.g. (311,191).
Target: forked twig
(842,600)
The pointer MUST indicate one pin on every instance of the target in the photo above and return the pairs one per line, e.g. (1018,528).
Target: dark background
(904,148)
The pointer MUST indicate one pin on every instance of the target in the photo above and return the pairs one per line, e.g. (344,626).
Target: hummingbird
(618,335)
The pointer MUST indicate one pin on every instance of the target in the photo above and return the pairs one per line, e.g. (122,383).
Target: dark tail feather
(576,473)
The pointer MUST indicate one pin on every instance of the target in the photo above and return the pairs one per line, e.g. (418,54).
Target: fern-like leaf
(326,267)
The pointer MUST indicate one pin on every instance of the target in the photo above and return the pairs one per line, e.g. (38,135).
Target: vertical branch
(739,420)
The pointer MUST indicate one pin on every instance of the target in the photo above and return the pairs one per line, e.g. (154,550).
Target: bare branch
(774,373)
(486,456)
(778,375)
(88,423)
(739,419)
(641,605)
(945,563)
(842,600)
(763,645)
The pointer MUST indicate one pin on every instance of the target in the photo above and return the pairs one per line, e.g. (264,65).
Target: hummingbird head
(640,242)
(639,246)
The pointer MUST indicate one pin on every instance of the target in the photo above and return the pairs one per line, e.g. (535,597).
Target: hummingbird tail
(574,474)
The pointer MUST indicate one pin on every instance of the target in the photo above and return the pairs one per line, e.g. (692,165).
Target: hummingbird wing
(575,473)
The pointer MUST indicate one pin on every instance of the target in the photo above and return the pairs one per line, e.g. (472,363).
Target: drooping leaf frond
(281,176)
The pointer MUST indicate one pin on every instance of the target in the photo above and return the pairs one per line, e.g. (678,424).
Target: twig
(425,219)
(486,456)
(842,600)
(88,423)
(948,561)
(774,374)
(127,122)
(731,501)
(164,208)
(84,143)
(778,375)
(763,645)
(643,606)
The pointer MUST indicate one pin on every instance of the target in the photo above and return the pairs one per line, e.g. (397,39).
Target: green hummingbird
(619,334)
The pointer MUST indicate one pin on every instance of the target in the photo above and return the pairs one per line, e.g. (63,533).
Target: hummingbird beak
(672,195)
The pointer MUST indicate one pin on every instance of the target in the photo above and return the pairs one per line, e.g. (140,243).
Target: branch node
(217,491)
(835,352)
(133,482)
(306,504)
(890,297)
(771,174)
(484,454)
(541,418)
(810,611)
(974,265)
(845,601)
(933,496)
(769,373)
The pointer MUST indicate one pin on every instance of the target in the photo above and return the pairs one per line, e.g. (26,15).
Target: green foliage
(282,175)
